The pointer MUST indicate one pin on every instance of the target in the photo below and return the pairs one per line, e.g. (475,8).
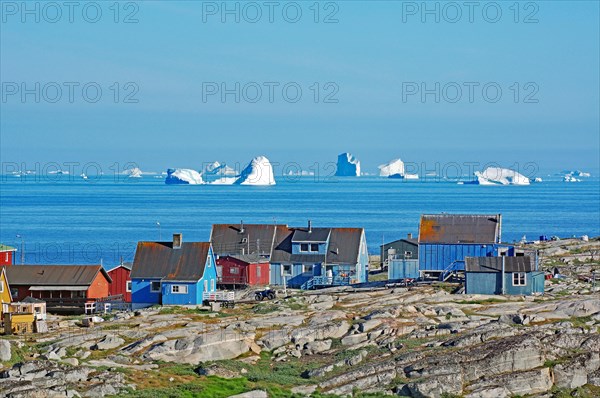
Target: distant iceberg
(258,172)
(404,176)
(392,167)
(347,166)
(537,179)
(135,173)
(570,178)
(576,173)
(500,176)
(183,176)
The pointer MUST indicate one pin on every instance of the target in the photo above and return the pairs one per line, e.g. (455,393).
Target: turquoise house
(503,275)
(172,273)
(307,257)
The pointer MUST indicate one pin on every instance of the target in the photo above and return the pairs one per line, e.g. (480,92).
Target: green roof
(5,248)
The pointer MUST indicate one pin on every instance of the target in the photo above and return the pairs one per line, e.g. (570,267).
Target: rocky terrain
(420,341)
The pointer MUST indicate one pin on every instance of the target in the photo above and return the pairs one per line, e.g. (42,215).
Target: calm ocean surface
(76,221)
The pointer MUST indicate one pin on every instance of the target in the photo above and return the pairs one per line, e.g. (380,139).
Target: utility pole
(22,249)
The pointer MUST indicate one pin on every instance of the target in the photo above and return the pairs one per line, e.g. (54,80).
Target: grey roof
(53,275)
(411,241)
(494,264)
(229,239)
(315,235)
(159,260)
(33,300)
(343,248)
(460,228)
(250,258)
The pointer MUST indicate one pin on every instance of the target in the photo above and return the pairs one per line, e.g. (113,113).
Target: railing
(320,281)
(450,270)
(218,296)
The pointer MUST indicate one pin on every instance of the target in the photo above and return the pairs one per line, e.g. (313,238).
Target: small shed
(29,305)
(121,281)
(484,275)
(400,268)
(243,269)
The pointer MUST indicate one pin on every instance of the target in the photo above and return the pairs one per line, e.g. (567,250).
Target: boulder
(5,351)
(251,394)
(109,342)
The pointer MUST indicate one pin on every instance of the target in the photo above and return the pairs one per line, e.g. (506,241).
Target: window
(155,287)
(234,270)
(6,257)
(519,279)
(14,293)
(128,286)
(212,285)
(287,269)
(258,271)
(179,289)
(205,285)
(314,247)
(1,287)
(306,268)
(303,247)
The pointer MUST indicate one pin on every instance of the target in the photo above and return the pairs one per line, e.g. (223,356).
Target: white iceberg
(570,178)
(537,179)
(135,173)
(392,167)
(347,166)
(183,176)
(224,181)
(576,173)
(405,176)
(500,176)
(258,172)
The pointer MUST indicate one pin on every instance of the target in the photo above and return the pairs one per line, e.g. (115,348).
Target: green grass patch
(482,302)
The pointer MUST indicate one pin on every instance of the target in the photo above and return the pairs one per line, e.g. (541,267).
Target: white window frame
(307,268)
(6,256)
(520,278)
(152,290)
(128,286)
(288,273)
(205,285)
(1,287)
(179,289)
(212,285)
(258,271)
(234,271)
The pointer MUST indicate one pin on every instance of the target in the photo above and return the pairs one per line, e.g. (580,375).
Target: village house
(121,281)
(7,255)
(308,257)
(5,296)
(242,270)
(503,275)
(64,288)
(406,248)
(445,240)
(172,273)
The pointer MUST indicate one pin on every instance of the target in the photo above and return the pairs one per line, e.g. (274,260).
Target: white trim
(128,286)
(179,289)
(519,276)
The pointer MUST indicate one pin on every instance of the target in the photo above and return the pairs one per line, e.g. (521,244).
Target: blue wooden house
(172,273)
(503,275)
(445,240)
(401,268)
(308,257)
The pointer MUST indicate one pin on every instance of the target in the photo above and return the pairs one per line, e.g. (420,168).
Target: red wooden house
(6,255)
(64,288)
(121,281)
(243,269)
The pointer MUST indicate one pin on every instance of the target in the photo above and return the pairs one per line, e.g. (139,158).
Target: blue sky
(371,54)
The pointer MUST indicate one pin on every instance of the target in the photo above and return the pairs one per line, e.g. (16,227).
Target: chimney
(241,226)
(409,236)
(177,241)
(309,226)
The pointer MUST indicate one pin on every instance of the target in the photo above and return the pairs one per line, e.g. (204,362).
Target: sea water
(76,221)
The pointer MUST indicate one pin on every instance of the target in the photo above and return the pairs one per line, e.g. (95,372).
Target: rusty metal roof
(460,228)
(54,275)
(494,264)
(229,239)
(159,260)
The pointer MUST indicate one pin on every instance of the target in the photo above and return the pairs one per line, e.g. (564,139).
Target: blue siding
(491,283)
(141,295)
(322,248)
(401,269)
(438,257)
